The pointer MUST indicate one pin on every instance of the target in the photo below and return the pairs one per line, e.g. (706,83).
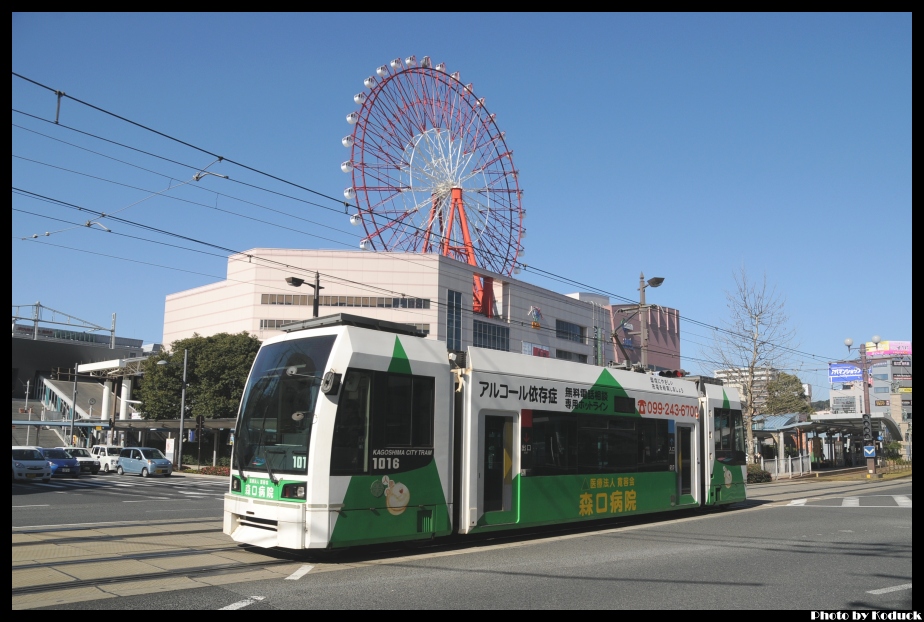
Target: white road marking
(798,502)
(902,500)
(895,588)
(851,502)
(31,506)
(242,603)
(301,572)
(139,501)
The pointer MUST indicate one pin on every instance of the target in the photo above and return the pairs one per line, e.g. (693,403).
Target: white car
(88,463)
(30,464)
(108,456)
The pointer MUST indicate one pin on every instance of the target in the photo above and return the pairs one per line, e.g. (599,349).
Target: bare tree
(753,342)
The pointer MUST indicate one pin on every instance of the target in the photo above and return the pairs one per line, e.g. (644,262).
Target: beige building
(736,377)
(432,292)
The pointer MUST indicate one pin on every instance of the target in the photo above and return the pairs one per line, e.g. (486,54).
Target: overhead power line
(347,205)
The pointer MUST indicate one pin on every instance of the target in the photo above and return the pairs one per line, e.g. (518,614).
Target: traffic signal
(672,373)
(867,428)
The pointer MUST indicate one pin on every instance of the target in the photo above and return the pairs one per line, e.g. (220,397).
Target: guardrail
(798,466)
(894,466)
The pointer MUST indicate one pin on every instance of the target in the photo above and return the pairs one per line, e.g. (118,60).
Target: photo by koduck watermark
(865,615)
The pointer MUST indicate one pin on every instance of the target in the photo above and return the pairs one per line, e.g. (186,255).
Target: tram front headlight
(293,491)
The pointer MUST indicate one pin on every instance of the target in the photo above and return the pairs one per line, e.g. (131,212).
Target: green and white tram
(356,431)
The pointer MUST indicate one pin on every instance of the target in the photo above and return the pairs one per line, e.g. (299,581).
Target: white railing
(782,468)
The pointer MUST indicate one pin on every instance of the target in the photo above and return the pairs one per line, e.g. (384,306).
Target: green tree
(216,370)
(818,405)
(786,395)
(892,450)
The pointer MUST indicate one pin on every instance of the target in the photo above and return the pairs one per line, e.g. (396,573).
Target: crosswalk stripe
(902,500)
(798,502)
(851,502)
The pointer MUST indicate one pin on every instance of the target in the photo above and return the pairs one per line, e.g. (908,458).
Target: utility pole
(73,408)
(182,410)
(866,414)
(28,414)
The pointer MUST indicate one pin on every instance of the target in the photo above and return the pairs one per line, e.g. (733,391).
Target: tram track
(211,570)
(267,558)
(75,541)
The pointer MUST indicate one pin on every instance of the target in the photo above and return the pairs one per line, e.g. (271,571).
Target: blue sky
(684,146)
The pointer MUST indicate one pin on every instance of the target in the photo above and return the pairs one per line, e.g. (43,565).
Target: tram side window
(351,426)
(606,444)
(562,444)
(730,437)
(405,410)
(552,446)
(653,445)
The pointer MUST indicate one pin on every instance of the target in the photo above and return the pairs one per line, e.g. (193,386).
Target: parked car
(88,464)
(62,465)
(108,456)
(29,464)
(145,461)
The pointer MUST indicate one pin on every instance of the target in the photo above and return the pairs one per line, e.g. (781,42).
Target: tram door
(685,460)
(497,469)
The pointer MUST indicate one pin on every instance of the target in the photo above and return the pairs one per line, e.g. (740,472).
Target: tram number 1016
(386,464)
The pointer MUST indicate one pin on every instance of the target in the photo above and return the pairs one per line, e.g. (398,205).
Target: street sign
(869,451)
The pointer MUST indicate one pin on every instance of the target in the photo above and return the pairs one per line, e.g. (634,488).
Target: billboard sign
(888,348)
(844,372)
(844,405)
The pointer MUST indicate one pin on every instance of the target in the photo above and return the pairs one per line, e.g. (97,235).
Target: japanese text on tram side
(608,502)
(539,395)
(663,384)
(588,399)
(259,488)
(647,407)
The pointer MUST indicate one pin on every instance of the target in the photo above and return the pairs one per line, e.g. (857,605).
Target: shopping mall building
(267,288)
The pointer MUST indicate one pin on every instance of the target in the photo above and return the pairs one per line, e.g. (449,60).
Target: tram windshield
(730,437)
(274,427)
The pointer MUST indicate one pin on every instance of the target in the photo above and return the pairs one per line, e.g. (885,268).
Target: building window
(534,349)
(286,299)
(274,324)
(486,335)
(372,301)
(570,356)
(569,331)
(454,321)
(880,389)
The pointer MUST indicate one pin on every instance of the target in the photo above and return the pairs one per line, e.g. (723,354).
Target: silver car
(144,461)
(30,464)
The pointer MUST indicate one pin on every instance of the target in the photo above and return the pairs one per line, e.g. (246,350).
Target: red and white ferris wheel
(431,170)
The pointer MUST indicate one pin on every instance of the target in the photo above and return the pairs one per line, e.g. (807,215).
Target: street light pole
(643,313)
(182,411)
(297,282)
